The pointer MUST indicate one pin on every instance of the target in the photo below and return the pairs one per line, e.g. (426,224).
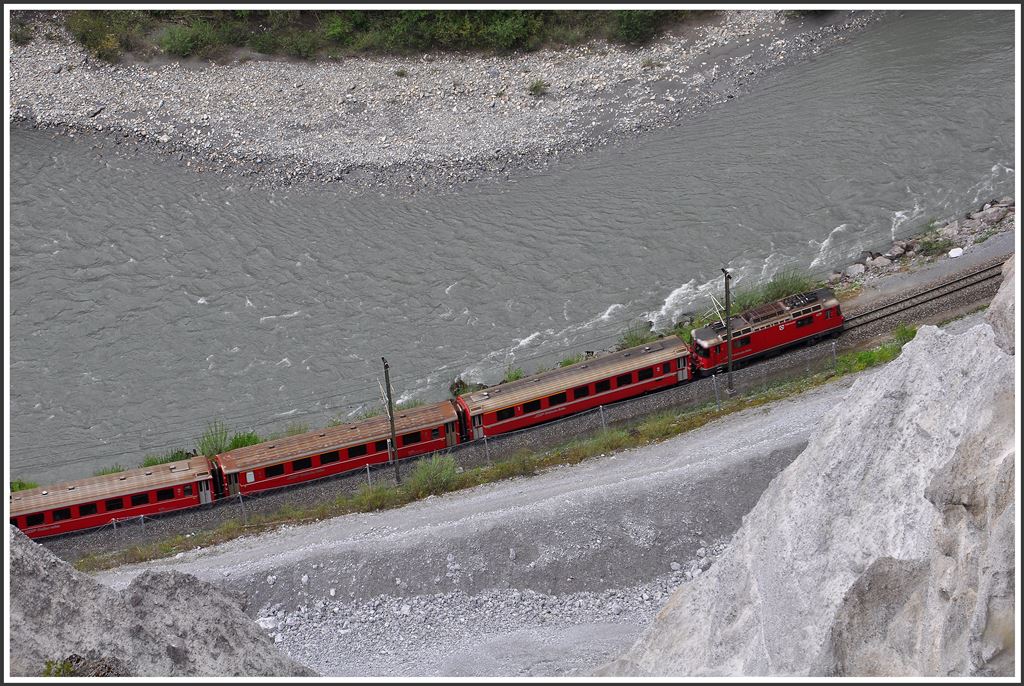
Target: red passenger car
(773,326)
(582,386)
(337,449)
(99,500)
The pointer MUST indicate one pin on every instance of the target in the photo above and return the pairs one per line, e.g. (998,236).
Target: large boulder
(1001,313)
(885,548)
(164,624)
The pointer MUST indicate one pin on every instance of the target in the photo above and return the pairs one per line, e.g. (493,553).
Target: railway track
(973,278)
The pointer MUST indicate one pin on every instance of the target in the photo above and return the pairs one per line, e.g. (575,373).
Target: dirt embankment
(426,121)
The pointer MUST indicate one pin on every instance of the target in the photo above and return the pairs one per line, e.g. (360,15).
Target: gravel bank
(575,560)
(448,120)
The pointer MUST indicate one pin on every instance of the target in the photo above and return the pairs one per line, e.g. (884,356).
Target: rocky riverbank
(408,123)
(947,239)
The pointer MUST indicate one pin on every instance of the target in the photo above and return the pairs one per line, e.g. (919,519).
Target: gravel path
(448,119)
(546,576)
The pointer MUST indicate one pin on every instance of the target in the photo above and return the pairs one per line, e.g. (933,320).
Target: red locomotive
(669,361)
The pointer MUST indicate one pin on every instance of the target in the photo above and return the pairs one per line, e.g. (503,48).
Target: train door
(684,368)
(232,484)
(450,434)
(478,426)
(204,493)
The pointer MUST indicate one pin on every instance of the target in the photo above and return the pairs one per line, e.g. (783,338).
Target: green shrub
(22,485)
(635,26)
(241,440)
(372,498)
(513,374)
(637,334)
(569,361)
(904,334)
(113,469)
(432,476)
(173,456)
(21,34)
(932,244)
(459,387)
(538,87)
(199,38)
(58,668)
(214,439)
(401,73)
(300,44)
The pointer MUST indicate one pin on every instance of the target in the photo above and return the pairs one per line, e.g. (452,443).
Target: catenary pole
(728,334)
(393,447)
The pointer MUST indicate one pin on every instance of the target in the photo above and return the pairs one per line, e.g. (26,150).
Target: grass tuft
(538,87)
(432,476)
(637,334)
(214,439)
(513,374)
(113,469)
(22,485)
(243,439)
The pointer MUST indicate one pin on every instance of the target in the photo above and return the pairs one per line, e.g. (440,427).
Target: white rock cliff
(886,548)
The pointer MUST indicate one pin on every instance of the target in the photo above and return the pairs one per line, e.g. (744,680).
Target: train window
(274,470)
(667,367)
(188,487)
(828,313)
(623,380)
(602,386)
(435,433)
(414,437)
(645,374)
(557,399)
(114,504)
(806,321)
(165,494)
(354,451)
(381,446)
(507,413)
(87,509)
(304,463)
(702,351)
(741,342)
(140,499)
(34,519)
(62,514)
(250,477)
(580,392)
(531,406)
(335,455)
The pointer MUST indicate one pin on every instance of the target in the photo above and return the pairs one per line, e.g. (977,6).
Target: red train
(536,399)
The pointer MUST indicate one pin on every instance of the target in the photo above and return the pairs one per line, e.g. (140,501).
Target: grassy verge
(306,34)
(440,474)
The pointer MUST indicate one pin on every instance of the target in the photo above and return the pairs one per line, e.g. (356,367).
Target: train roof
(595,369)
(768,315)
(109,486)
(336,437)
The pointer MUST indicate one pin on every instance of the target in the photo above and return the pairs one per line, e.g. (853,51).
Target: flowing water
(146,300)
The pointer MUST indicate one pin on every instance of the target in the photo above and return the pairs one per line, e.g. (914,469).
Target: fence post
(600,409)
(714,382)
(368,484)
(245,518)
(835,362)
(487,450)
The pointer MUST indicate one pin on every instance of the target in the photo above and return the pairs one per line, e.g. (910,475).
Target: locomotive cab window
(140,499)
(62,514)
(165,494)
(602,386)
(87,509)
(507,413)
(304,463)
(34,519)
(828,313)
(531,406)
(702,351)
(274,470)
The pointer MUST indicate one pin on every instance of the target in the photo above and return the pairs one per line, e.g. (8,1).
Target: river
(146,300)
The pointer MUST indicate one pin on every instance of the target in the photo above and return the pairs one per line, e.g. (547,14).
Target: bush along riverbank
(427,119)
